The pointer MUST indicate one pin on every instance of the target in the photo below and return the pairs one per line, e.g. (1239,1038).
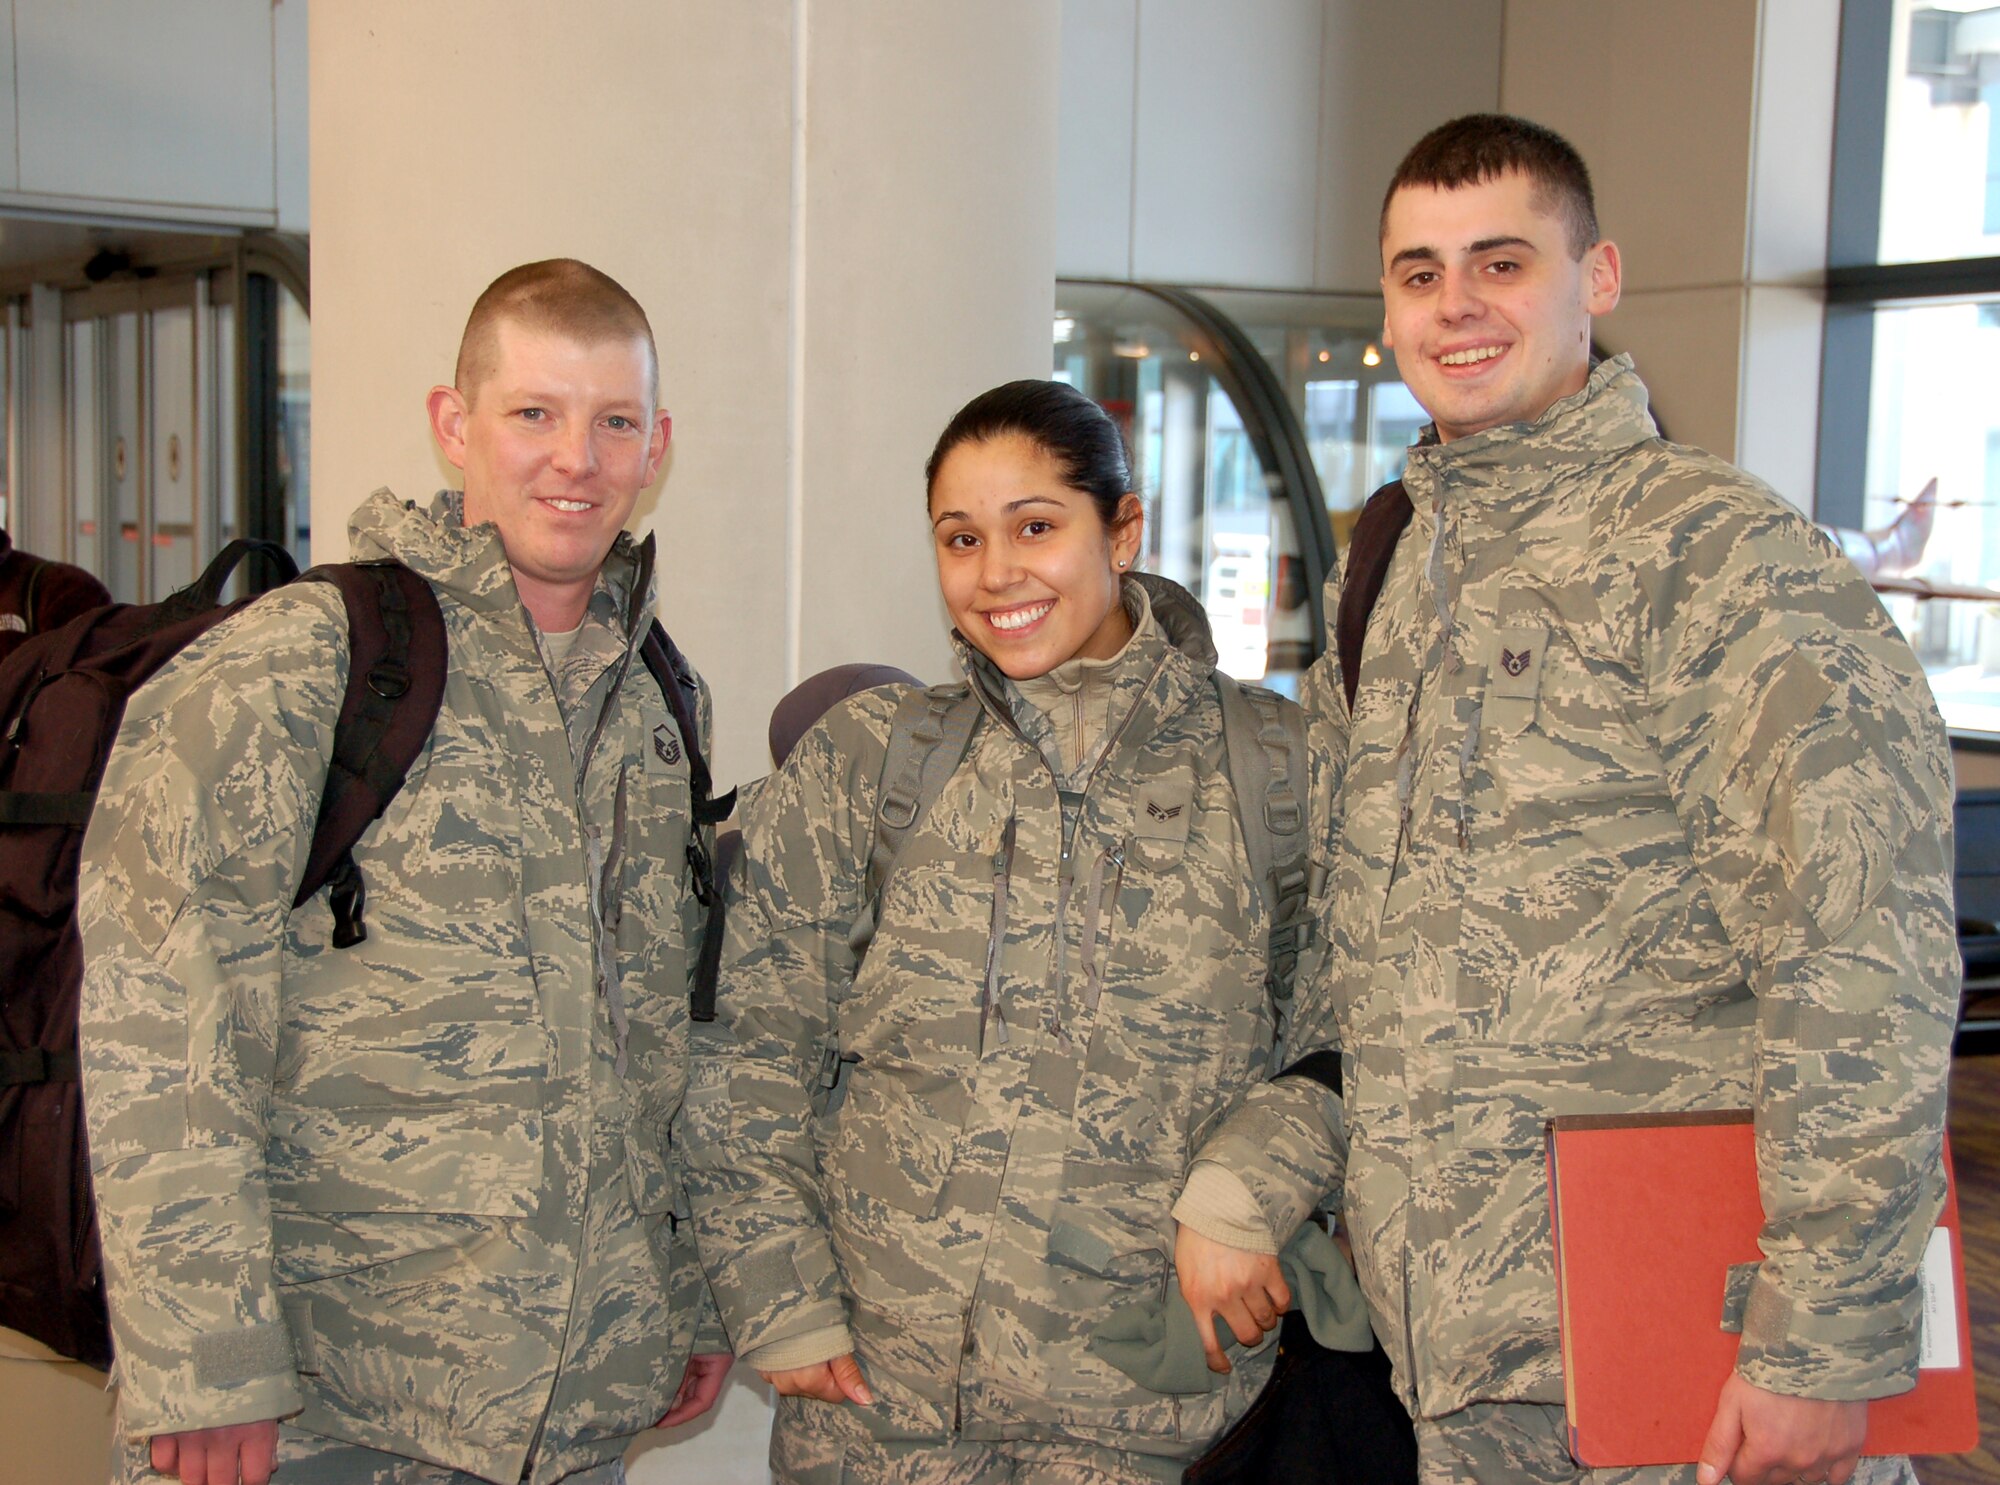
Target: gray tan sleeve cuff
(793,1351)
(1216,1204)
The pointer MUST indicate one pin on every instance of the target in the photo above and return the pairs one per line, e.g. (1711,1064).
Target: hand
(233,1453)
(1246,1289)
(838,1380)
(1765,1438)
(701,1385)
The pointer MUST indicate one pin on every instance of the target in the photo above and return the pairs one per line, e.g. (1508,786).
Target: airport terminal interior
(238,237)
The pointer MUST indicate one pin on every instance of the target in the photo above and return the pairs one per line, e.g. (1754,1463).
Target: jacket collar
(1515,462)
(1163,664)
(471,564)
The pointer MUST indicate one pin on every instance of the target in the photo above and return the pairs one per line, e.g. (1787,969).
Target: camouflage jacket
(399,1190)
(1645,806)
(989,1187)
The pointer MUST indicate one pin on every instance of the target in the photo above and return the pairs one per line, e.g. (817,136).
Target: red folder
(1649,1213)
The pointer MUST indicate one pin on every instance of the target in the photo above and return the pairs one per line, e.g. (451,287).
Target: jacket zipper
(990,1010)
(1056,1028)
(634,637)
(1096,924)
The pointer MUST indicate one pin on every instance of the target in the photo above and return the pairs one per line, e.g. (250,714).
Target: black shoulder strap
(1323,1067)
(32,596)
(397,657)
(928,739)
(675,678)
(1376,532)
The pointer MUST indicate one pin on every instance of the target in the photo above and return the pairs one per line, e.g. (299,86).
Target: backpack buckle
(389,679)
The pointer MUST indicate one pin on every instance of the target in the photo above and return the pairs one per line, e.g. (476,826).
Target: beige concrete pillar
(840,218)
(1708,128)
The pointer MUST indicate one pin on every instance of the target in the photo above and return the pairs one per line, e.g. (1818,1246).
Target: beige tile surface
(55,1417)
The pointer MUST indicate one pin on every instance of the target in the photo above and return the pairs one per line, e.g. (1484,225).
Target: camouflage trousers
(1528,1444)
(816,1443)
(312,1459)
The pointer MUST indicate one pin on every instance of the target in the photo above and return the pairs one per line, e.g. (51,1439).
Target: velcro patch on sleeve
(238,1356)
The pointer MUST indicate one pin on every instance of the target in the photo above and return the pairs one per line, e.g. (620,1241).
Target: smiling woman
(1034,527)
(1036,1003)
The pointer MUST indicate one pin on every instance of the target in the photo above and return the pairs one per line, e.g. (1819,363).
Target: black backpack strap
(1264,741)
(397,657)
(205,592)
(31,596)
(33,1065)
(1376,531)
(1323,1067)
(675,678)
(928,739)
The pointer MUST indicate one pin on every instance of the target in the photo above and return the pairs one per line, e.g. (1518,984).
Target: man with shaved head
(403,1210)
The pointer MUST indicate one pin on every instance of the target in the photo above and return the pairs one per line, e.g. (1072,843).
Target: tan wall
(1708,127)
(1249,143)
(840,218)
(55,1416)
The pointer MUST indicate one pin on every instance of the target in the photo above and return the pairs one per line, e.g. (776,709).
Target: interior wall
(839,218)
(1708,128)
(184,113)
(1248,145)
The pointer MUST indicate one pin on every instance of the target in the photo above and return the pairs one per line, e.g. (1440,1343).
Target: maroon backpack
(62,695)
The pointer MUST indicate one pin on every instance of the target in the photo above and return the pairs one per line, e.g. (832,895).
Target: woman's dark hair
(1078,434)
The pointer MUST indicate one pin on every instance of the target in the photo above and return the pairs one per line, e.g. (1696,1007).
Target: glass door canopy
(1259,422)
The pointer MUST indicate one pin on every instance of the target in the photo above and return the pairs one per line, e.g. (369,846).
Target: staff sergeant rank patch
(1517,660)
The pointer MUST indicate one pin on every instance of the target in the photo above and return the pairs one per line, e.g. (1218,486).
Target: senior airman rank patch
(1162,803)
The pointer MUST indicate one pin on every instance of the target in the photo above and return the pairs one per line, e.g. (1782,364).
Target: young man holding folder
(1646,806)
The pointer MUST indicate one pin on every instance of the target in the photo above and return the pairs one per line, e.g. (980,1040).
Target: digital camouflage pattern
(817,1445)
(1528,1444)
(310,1459)
(1646,806)
(992,1186)
(399,1190)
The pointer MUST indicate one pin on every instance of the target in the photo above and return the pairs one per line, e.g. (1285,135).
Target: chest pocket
(1162,809)
(1514,678)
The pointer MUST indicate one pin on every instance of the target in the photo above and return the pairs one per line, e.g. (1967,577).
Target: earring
(1121,561)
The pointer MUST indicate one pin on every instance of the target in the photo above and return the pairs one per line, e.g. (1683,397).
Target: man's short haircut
(558,296)
(1480,147)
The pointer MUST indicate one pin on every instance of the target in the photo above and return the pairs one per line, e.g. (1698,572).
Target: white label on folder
(1938,1350)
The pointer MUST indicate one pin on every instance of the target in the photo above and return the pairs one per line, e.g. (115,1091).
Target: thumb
(1204,1326)
(1725,1436)
(847,1377)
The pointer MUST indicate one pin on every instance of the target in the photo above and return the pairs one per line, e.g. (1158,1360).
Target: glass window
(1218,518)
(1933,510)
(1940,160)
(1909,453)
(1326,351)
